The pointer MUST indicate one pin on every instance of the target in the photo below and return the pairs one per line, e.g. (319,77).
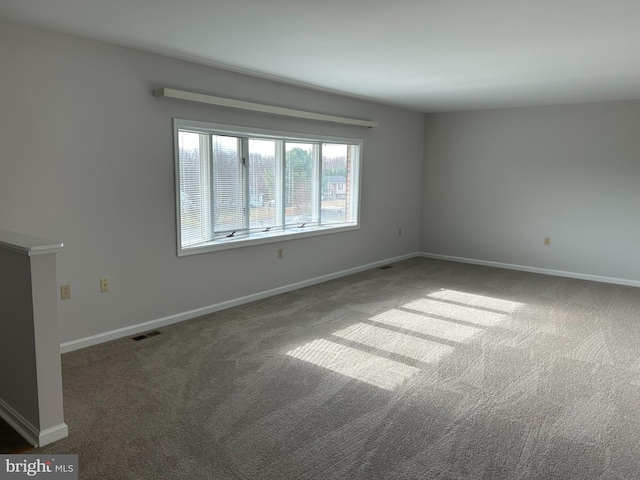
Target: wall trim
(19,423)
(37,438)
(180,317)
(543,271)
(53,434)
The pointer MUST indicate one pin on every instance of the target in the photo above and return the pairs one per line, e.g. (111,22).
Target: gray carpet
(427,370)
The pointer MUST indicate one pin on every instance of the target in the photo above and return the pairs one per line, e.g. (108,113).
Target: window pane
(228,184)
(335,181)
(194,189)
(263,200)
(298,183)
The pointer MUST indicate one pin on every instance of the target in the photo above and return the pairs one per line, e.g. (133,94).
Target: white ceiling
(426,55)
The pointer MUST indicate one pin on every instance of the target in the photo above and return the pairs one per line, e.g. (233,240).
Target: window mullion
(280,184)
(211,210)
(284,183)
(317,183)
(245,179)
(354,178)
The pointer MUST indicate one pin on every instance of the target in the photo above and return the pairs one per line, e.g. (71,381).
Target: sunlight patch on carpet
(456,312)
(434,327)
(365,367)
(473,300)
(406,345)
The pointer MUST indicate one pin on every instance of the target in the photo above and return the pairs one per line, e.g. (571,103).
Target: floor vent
(385,267)
(145,335)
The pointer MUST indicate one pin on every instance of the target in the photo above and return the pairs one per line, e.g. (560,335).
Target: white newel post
(31,377)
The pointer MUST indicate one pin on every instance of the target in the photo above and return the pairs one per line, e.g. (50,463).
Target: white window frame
(289,233)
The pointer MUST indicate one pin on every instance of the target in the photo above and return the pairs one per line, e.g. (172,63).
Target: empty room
(320,240)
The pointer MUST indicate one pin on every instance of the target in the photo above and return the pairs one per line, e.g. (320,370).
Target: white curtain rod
(258,107)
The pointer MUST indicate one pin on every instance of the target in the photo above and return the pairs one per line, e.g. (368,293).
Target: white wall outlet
(65,292)
(280,255)
(547,241)
(104,284)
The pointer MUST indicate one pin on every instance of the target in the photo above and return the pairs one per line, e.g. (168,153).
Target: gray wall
(86,157)
(495,183)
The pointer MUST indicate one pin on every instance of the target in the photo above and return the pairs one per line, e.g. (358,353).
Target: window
(243,187)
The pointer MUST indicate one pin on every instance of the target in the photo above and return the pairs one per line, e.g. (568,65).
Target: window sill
(261,238)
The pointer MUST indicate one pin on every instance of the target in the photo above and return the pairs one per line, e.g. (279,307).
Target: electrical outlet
(547,241)
(104,284)
(280,254)
(65,292)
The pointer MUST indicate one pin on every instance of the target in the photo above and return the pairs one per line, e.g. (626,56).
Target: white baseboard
(53,434)
(19,423)
(543,271)
(179,317)
(26,429)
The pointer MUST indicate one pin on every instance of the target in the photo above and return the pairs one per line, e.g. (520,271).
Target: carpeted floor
(427,370)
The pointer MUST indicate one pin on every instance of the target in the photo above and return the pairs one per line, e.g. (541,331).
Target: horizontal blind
(228,185)
(264,200)
(193,151)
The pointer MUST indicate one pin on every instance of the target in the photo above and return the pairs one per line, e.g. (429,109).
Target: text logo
(51,467)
